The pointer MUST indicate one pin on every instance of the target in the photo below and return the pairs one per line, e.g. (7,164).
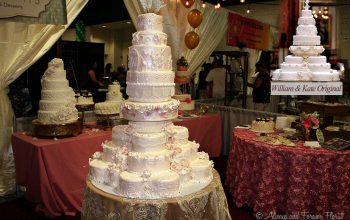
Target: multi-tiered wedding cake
(57,104)
(113,101)
(150,158)
(306,64)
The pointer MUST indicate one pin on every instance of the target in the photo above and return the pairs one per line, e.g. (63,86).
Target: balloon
(194,17)
(191,40)
(189,3)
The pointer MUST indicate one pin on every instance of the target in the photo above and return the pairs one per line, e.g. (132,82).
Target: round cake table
(279,180)
(208,203)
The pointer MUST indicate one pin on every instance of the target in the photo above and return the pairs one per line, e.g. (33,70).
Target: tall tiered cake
(57,104)
(150,158)
(306,64)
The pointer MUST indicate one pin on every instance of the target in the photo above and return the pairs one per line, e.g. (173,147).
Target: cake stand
(56,130)
(208,203)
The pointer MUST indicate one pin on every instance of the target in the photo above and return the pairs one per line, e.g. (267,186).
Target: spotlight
(187,3)
(203,4)
(241,1)
(248,10)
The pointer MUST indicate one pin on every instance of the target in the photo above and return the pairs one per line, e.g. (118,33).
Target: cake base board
(88,107)
(262,131)
(186,189)
(56,130)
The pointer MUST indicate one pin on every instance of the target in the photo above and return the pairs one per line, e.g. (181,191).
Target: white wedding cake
(306,64)
(150,158)
(113,101)
(57,104)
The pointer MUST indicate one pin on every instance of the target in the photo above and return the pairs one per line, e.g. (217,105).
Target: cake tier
(306,21)
(115,87)
(57,94)
(64,115)
(185,151)
(162,111)
(108,107)
(201,169)
(55,74)
(52,105)
(306,40)
(279,75)
(146,92)
(316,59)
(291,67)
(99,171)
(333,75)
(177,134)
(54,84)
(263,126)
(321,68)
(186,104)
(293,59)
(109,152)
(114,96)
(148,142)
(306,13)
(152,161)
(150,58)
(183,73)
(309,30)
(151,77)
(121,136)
(306,51)
(149,21)
(85,100)
(156,185)
(149,38)
(149,126)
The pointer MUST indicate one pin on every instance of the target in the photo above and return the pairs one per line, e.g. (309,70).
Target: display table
(205,130)
(209,203)
(54,170)
(286,180)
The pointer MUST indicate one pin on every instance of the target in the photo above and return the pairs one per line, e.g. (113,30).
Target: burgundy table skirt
(54,171)
(288,180)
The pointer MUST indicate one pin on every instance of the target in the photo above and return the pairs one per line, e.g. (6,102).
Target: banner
(34,11)
(246,32)
(306,88)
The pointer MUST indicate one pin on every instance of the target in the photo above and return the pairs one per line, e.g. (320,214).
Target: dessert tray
(275,140)
(56,130)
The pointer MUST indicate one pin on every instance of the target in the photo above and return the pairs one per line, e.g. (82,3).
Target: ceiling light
(104,26)
(128,22)
(241,1)
(248,10)
(203,4)
(187,3)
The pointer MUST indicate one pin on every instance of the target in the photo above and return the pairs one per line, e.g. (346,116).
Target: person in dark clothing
(262,87)
(92,83)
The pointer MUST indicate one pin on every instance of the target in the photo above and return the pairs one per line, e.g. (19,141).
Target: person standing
(216,81)
(261,87)
(93,84)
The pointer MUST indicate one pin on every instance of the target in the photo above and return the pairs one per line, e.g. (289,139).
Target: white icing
(151,77)
(146,92)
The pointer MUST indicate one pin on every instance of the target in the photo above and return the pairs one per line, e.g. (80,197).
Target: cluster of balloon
(194,18)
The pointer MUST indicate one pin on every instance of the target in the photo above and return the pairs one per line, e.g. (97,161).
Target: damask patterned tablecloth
(288,180)
(209,203)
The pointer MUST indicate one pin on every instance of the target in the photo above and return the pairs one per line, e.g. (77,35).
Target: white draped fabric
(22,44)
(211,30)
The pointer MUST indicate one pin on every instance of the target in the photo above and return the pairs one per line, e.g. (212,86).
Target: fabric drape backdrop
(211,30)
(21,45)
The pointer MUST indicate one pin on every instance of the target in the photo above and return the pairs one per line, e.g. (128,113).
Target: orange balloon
(188,3)
(191,39)
(194,17)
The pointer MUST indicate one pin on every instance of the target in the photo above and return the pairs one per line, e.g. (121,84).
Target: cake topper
(306,7)
(152,6)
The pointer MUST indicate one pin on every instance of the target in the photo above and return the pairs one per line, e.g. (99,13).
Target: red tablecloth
(205,130)
(286,180)
(54,171)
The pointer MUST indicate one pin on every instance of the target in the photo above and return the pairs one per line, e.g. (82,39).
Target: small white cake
(186,104)
(263,125)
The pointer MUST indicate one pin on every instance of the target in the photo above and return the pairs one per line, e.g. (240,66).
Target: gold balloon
(188,3)
(191,39)
(194,17)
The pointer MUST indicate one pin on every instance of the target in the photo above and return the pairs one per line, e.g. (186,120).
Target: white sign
(306,88)
(30,8)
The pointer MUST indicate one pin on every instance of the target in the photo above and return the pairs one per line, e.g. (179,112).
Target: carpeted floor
(16,207)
